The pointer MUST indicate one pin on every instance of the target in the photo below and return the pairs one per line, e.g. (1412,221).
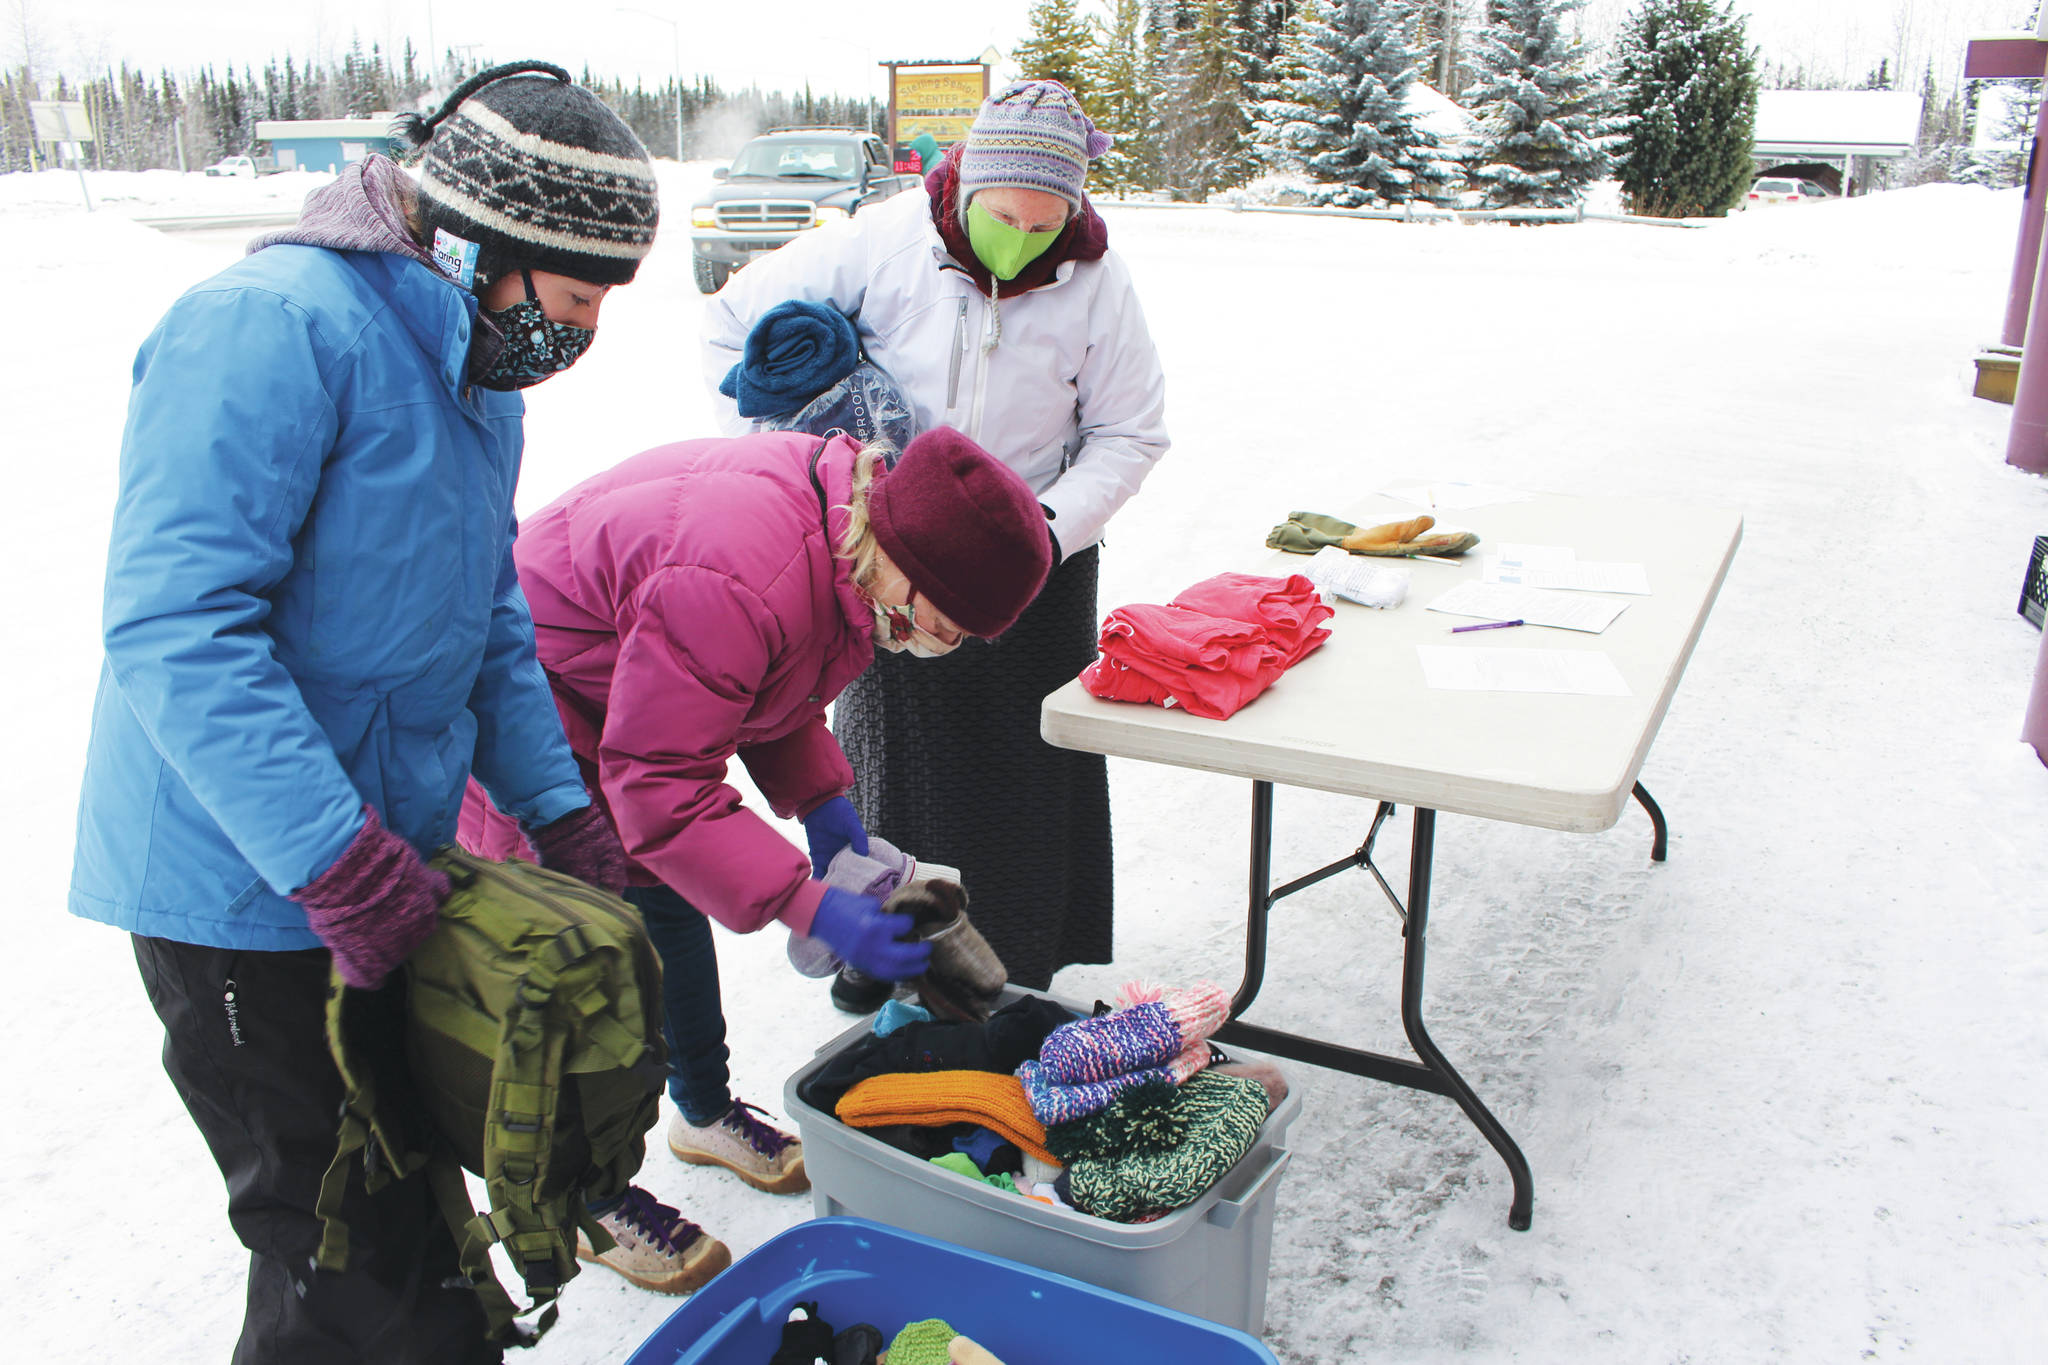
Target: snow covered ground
(1782,1096)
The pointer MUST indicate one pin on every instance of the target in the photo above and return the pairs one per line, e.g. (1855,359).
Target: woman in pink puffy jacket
(709,599)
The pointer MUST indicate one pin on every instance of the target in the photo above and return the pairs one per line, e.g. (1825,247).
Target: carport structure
(2022,56)
(1818,135)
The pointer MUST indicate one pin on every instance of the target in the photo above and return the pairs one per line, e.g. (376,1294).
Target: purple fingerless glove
(377,903)
(583,844)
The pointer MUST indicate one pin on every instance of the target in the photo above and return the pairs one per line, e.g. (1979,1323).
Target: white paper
(1501,602)
(1458,495)
(1535,556)
(1462,668)
(1357,578)
(1582,575)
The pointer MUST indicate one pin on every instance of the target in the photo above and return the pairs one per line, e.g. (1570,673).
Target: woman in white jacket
(995,303)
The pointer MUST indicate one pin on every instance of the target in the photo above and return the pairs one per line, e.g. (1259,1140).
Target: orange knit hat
(928,1099)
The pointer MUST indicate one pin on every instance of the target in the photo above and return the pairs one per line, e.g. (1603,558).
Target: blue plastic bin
(864,1272)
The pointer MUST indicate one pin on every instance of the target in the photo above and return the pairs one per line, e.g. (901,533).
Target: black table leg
(1423,846)
(1433,1072)
(1658,832)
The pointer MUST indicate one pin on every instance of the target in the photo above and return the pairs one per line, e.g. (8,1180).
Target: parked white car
(234,165)
(1778,189)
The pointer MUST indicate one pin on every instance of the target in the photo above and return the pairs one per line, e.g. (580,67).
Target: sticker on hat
(455,257)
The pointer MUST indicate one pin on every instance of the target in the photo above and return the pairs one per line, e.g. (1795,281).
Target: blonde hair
(858,544)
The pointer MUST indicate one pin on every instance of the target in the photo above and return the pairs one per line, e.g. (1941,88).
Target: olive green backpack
(531,1055)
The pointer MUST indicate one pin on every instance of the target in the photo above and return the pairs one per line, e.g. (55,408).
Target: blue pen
(1489,625)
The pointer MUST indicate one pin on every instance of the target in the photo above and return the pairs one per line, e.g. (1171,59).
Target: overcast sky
(832,44)
(779,43)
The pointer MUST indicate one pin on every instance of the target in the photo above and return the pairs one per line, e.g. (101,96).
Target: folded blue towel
(796,351)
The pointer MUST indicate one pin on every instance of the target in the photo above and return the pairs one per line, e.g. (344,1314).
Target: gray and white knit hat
(1031,134)
(538,173)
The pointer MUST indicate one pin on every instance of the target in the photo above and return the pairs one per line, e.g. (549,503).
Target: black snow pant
(245,1046)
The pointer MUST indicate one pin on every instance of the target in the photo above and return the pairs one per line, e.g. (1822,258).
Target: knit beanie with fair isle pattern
(538,173)
(1032,135)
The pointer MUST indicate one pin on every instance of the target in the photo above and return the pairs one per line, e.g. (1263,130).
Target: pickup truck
(247,167)
(782,184)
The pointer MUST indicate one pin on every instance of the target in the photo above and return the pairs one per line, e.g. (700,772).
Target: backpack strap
(519,1131)
(363,1129)
(474,1234)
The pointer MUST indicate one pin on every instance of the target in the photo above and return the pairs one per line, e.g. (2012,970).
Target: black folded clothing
(1001,1043)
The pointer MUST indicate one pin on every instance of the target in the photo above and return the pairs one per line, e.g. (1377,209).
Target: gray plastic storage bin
(1208,1259)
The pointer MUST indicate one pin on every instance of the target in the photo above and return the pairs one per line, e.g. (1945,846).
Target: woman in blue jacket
(314,636)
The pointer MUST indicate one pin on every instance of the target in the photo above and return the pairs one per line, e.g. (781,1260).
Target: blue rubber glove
(831,827)
(855,927)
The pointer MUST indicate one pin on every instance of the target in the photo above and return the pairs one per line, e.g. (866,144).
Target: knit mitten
(878,872)
(376,903)
(1152,1032)
(1055,1103)
(584,844)
(922,1343)
(965,980)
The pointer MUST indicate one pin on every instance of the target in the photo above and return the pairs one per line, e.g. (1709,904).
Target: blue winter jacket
(310,600)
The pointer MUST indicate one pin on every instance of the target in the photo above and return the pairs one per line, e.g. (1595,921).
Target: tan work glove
(1304,533)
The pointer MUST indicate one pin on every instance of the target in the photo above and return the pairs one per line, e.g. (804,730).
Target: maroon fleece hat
(965,530)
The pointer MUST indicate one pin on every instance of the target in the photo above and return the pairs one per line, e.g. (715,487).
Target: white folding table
(1357,717)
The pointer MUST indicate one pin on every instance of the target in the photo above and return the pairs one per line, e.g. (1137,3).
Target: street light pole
(675,34)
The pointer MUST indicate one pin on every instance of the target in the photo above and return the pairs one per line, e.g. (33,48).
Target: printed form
(1461,668)
(1535,606)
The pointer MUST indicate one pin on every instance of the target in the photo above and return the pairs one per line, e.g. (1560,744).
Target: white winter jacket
(1061,383)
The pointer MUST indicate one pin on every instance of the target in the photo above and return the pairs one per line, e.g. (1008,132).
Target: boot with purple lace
(658,1248)
(750,1147)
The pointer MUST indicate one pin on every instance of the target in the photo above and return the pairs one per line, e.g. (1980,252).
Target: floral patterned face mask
(536,346)
(897,631)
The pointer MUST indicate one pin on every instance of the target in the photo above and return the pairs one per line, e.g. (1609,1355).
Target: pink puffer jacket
(688,608)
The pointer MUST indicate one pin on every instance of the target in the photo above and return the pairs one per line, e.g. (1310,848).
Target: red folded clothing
(1291,609)
(1209,665)
(1213,649)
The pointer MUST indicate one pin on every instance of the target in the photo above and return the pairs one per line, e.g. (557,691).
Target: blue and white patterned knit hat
(1033,135)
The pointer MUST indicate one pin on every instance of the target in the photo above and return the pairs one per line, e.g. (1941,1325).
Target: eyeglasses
(906,633)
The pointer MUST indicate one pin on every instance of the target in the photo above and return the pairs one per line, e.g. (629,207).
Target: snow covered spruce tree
(1344,114)
(1119,100)
(1201,122)
(1687,81)
(1284,129)
(1543,109)
(1060,48)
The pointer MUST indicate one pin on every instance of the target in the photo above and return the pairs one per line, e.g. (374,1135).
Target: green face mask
(1003,249)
